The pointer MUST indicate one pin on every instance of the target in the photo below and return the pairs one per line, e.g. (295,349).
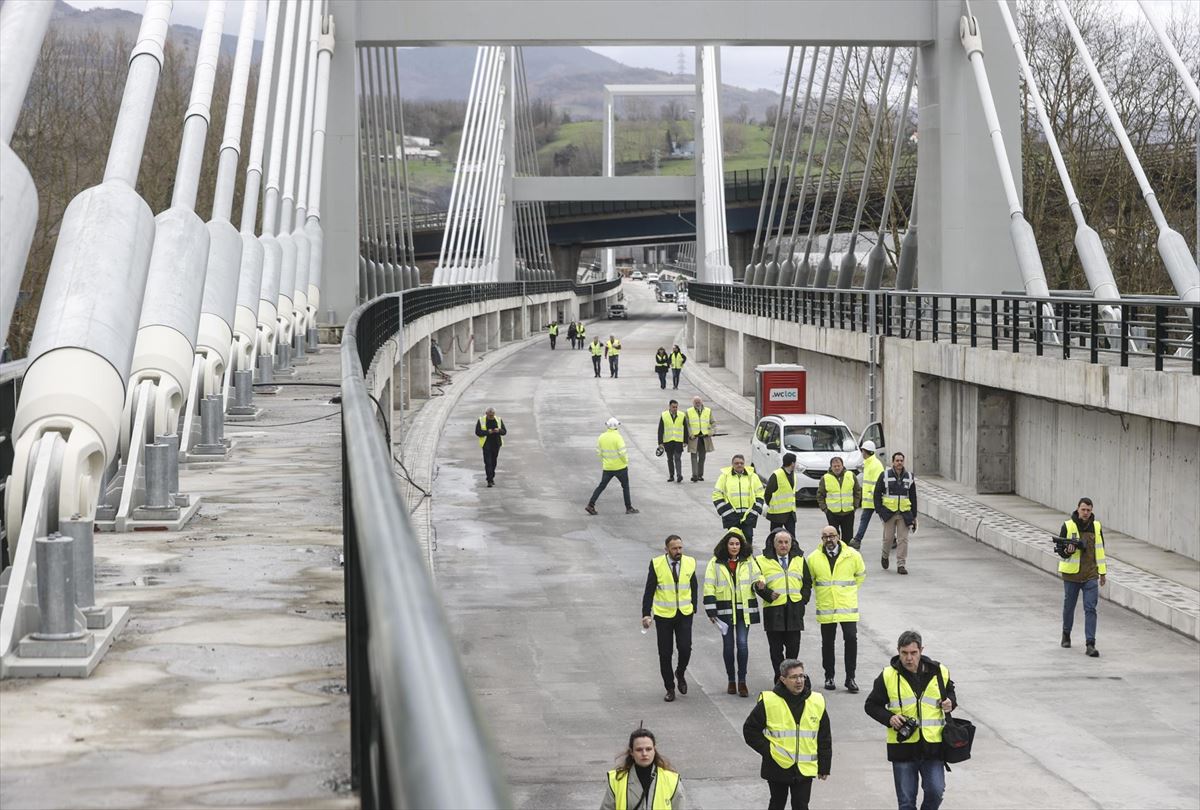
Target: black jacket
(790,615)
(752,733)
(652,585)
(902,486)
(773,484)
(491,440)
(876,707)
(661,361)
(662,426)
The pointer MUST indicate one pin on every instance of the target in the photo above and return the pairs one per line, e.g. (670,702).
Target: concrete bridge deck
(545,601)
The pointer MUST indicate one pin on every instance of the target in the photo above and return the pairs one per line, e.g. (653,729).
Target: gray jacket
(633,794)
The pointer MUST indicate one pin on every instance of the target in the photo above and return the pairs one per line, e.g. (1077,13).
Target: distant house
(419,148)
(683,149)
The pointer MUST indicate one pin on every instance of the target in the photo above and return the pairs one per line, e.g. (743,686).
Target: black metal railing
(1132,332)
(413,721)
(597,287)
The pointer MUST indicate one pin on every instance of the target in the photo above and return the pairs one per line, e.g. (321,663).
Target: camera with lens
(1061,543)
(906,730)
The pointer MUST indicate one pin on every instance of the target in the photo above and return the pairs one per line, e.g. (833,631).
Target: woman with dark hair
(732,584)
(643,779)
(662,362)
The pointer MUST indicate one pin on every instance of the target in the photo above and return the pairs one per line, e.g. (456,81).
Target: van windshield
(818,439)
(667,286)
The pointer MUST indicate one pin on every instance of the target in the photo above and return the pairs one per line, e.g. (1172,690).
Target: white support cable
(1188,82)
(325,48)
(788,270)
(394,182)
(367,219)
(408,231)
(772,176)
(382,260)
(491,213)
(295,110)
(380,158)
(492,139)
(1181,267)
(762,269)
(440,270)
(235,111)
(1087,241)
(522,212)
(198,113)
(262,103)
(464,268)
(469,151)
(537,210)
(881,104)
(826,266)
(875,260)
(271,192)
(310,94)
(812,223)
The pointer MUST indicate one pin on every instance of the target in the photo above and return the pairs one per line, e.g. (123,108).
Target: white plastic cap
(869,446)
(613,422)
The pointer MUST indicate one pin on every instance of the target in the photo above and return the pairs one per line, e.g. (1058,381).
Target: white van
(815,439)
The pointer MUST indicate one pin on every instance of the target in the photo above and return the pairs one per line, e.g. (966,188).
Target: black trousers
(675,377)
(613,362)
(782,644)
(849,638)
(572,339)
(620,475)
(553,340)
(800,793)
(662,377)
(491,454)
(733,519)
(844,523)
(596,364)
(788,522)
(674,459)
(677,629)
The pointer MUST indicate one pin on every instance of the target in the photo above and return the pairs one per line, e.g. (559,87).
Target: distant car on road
(815,439)
(665,291)
(637,275)
(617,311)
(652,278)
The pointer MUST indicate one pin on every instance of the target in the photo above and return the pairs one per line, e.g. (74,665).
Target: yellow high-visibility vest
(895,503)
(783,500)
(925,710)
(672,427)
(789,584)
(483,426)
(839,495)
(1071,564)
(614,347)
(671,596)
(872,469)
(554,329)
(597,348)
(611,449)
(700,422)
(677,360)
(793,745)
(739,491)
(836,590)
(665,784)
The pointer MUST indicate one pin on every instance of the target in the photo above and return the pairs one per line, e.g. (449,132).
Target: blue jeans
(932,773)
(863,520)
(1091,595)
(742,632)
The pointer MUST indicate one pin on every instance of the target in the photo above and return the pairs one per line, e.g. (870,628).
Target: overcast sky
(749,67)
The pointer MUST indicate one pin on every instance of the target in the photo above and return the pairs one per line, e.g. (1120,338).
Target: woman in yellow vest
(643,779)
(789,729)
(732,583)
(661,362)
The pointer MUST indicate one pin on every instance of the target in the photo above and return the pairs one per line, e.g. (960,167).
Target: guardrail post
(1160,335)
(1067,330)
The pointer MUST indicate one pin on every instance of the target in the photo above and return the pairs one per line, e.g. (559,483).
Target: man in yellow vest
(614,461)
(553,329)
(700,432)
(785,573)
(597,350)
(580,333)
(612,350)
(896,505)
(911,697)
(838,495)
(872,469)
(738,497)
(780,495)
(672,435)
(1084,569)
(789,728)
(644,780)
(670,598)
(491,432)
(837,572)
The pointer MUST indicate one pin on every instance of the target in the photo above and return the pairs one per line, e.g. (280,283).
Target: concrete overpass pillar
(492,327)
(463,339)
(401,389)
(740,246)
(716,346)
(479,330)
(420,370)
(700,340)
(566,260)
(755,352)
(689,335)
(445,339)
(507,317)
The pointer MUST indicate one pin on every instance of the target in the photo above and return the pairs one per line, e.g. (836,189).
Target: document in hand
(723,627)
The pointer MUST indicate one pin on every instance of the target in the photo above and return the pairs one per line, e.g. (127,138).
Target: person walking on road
(780,495)
(700,432)
(732,583)
(643,779)
(672,435)
(553,329)
(491,432)
(580,333)
(872,469)
(669,600)
(677,359)
(838,495)
(738,497)
(662,362)
(789,728)
(911,697)
(896,505)
(784,572)
(572,333)
(612,350)
(597,350)
(1084,570)
(837,572)
(614,461)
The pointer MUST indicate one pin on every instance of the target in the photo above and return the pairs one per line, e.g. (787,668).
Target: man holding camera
(912,697)
(1080,543)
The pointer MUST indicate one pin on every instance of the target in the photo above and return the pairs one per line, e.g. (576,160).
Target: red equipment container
(779,388)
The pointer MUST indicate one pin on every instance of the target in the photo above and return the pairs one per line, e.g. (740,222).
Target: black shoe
(679,480)
(1066,641)
(694,479)
(590,509)
(491,484)
(700,478)
(851,686)
(669,696)
(632,511)
(1092,652)
(901,570)
(829,684)
(682,683)
(884,562)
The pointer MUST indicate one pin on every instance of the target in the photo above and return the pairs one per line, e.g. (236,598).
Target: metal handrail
(1131,331)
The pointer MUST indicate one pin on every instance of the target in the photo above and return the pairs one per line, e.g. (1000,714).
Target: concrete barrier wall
(1047,429)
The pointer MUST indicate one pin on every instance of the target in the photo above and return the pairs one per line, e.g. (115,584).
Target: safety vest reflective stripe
(699,422)
(833,582)
(836,594)
(672,427)
(925,711)
(611,449)
(676,360)
(839,495)
(614,346)
(483,426)
(1071,564)
(832,611)
(597,349)
(783,499)
(872,469)
(665,782)
(721,595)
(554,329)
(790,734)
(789,584)
(741,492)
(793,743)
(673,597)
(894,502)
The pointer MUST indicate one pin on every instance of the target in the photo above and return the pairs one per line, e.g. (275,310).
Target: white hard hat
(613,422)
(869,446)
